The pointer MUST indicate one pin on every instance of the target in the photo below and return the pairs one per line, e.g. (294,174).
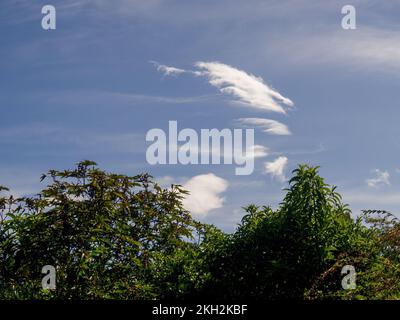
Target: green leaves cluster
(105,234)
(118,237)
(298,250)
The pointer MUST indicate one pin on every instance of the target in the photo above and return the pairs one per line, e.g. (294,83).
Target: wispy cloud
(167,70)
(382,178)
(364,49)
(372,200)
(249,153)
(246,88)
(277,168)
(43,134)
(259,151)
(253,152)
(379,199)
(112,99)
(267,125)
(205,193)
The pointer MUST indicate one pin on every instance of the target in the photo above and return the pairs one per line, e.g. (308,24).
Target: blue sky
(88,91)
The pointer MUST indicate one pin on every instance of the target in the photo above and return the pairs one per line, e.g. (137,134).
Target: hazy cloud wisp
(277,168)
(267,125)
(382,178)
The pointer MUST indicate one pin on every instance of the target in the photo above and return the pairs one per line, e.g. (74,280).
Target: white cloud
(253,152)
(382,178)
(204,194)
(259,151)
(268,125)
(167,70)
(277,168)
(247,88)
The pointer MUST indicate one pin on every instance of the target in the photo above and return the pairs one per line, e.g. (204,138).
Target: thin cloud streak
(267,125)
(167,70)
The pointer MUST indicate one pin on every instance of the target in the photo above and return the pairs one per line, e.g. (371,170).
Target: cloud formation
(205,193)
(246,88)
(267,125)
(277,168)
(368,48)
(167,70)
(382,178)
(259,151)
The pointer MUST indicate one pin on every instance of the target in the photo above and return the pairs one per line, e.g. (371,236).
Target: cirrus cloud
(167,70)
(246,88)
(267,125)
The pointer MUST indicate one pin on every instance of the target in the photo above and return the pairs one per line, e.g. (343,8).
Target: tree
(104,233)
(376,259)
(281,253)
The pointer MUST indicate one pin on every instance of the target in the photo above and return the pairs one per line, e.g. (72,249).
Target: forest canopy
(112,236)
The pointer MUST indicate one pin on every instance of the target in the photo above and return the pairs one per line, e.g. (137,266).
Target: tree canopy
(112,236)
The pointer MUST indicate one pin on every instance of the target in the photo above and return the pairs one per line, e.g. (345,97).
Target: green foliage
(298,250)
(103,232)
(118,237)
(377,261)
